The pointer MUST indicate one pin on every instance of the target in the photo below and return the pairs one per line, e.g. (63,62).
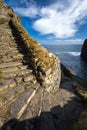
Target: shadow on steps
(58,118)
(20,46)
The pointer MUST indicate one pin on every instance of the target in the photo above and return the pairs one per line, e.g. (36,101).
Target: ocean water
(70,57)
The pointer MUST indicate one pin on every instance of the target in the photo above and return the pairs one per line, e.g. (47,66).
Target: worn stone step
(23,67)
(24,72)
(9,69)
(7,59)
(11,93)
(7,54)
(9,51)
(19,55)
(5,84)
(10,64)
(18,107)
(11,60)
(28,78)
(19,73)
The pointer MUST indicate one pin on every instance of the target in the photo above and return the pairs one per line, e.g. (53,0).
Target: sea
(69,55)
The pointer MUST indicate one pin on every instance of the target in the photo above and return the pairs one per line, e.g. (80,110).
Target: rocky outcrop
(84,51)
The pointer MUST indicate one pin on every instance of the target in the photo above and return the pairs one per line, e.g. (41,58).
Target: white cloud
(59,19)
(31,12)
(67,41)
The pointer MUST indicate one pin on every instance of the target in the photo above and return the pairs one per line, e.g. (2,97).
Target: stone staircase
(29,80)
(18,85)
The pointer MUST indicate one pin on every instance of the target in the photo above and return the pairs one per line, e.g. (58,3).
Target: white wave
(74,53)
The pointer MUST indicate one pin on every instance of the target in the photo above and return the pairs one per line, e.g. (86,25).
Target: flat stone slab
(17,108)
(11,93)
(22,67)
(24,72)
(9,69)
(28,78)
(10,64)
(7,83)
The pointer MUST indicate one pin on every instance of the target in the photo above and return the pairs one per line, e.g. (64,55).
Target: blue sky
(53,21)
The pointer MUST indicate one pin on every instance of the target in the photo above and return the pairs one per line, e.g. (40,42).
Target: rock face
(84,51)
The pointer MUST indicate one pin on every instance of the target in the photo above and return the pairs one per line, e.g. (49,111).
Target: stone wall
(45,65)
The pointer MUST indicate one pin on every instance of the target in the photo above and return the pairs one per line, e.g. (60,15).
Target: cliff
(84,51)
(35,89)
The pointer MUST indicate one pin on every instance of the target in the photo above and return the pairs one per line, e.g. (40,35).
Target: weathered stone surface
(23,67)
(28,78)
(18,107)
(7,83)
(84,51)
(10,69)
(18,79)
(10,94)
(11,64)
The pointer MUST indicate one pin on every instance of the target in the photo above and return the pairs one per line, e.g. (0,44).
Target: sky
(53,21)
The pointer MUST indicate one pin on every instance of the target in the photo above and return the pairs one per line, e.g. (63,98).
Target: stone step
(7,54)
(10,64)
(28,78)
(9,59)
(3,46)
(9,69)
(19,73)
(3,52)
(13,69)
(17,108)
(19,55)
(5,84)
(35,107)
(11,93)
(23,67)
(10,49)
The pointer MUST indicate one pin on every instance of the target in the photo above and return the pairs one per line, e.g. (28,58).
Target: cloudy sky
(53,21)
